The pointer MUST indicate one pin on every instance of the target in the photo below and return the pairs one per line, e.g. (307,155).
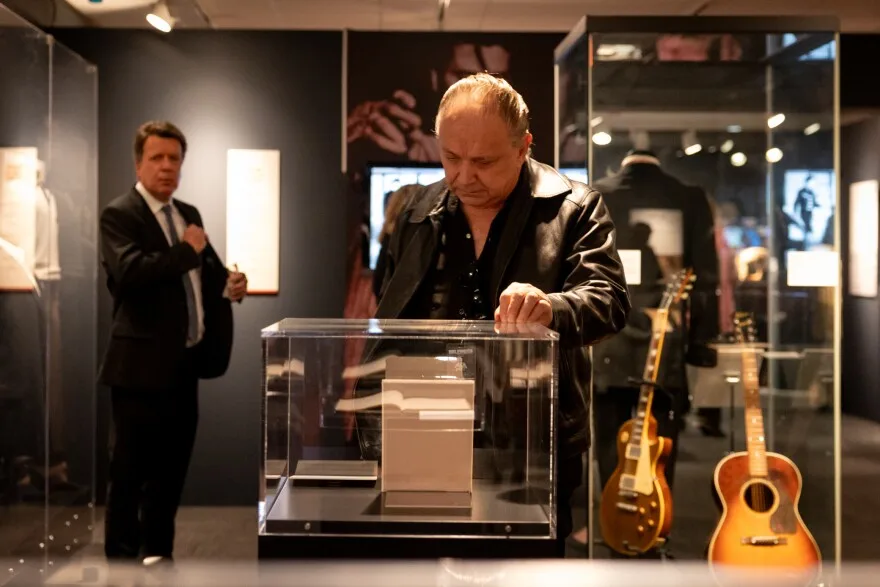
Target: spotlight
(812,129)
(602,138)
(727,146)
(689,143)
(734,128)
(160,17)
(774,155)
(738,159)
(776,120)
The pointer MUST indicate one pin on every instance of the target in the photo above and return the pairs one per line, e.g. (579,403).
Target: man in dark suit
(172,325)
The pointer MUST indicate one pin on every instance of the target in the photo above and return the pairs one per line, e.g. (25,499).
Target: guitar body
(761,528)
(634,522)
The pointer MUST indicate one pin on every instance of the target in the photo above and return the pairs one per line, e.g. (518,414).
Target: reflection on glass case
(713,142)
(48,302)
(407,438)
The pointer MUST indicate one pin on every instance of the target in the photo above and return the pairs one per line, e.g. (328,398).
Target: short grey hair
(495,95)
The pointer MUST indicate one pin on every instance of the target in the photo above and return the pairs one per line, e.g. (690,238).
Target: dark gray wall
(266,90)
(860,160)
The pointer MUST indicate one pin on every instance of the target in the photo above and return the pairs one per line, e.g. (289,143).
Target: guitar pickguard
(643,480)
(783,520)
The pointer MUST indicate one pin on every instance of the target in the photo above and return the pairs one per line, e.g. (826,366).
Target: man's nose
(466,173)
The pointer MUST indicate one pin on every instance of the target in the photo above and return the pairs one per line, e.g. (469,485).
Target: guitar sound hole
(759,498)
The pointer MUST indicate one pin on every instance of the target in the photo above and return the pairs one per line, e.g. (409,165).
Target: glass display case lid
(339,327)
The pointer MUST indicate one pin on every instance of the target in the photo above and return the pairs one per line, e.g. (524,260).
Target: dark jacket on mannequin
(644,185)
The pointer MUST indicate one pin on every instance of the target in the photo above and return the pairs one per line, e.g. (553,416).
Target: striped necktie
(193,326)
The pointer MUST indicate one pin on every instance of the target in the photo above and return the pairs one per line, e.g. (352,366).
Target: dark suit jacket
(144,275)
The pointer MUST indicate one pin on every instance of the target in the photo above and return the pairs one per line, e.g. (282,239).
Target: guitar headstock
(744,323)
(678,288)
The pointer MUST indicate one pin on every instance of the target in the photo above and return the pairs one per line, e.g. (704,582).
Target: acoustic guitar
(635,511)
(760,526)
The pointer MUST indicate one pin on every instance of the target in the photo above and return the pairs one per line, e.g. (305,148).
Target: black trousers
(570,474)
(154,435)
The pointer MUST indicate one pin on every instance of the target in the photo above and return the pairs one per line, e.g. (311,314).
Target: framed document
(18,218)
(253,207)
(864,215)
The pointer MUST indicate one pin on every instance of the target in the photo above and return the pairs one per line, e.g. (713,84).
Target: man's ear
(526,145)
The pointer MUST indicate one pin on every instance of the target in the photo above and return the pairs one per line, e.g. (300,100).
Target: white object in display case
(253,208)
(18,217)
(812,268)
(864,215)
(632,265)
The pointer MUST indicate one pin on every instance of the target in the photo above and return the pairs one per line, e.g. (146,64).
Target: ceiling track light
(442,7)
(689,143)
(775,120)
(160,17)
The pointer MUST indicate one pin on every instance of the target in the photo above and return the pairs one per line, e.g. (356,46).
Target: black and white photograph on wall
(809,208)
(396,81)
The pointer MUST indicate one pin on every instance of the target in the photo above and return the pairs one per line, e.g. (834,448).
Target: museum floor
(229,533)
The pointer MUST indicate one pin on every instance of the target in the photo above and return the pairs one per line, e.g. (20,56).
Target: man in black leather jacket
(504,237)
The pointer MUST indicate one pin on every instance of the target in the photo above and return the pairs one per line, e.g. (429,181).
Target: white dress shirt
(179,226)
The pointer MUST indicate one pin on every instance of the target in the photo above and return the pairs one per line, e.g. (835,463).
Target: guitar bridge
(764,541)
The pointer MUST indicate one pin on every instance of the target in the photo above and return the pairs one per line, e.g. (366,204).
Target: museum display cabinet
(48,298)
(407,439)
(714,141)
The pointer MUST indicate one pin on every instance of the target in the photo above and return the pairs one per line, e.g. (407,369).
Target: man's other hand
(524,303)
(236,286)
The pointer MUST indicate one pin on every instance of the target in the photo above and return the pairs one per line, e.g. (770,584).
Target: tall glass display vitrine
(715,144)
(48,298)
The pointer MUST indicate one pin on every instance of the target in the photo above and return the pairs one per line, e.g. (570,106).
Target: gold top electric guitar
(635,513)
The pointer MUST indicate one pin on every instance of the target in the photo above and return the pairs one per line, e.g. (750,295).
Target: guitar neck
(757,448)
(652,363)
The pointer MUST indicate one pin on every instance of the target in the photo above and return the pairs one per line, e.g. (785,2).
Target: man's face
(481,160)
(159,168)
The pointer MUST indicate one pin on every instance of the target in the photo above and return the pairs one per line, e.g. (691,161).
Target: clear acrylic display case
(48,300)
(433,433)
(715,143)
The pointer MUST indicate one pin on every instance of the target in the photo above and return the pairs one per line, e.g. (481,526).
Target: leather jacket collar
(545,182)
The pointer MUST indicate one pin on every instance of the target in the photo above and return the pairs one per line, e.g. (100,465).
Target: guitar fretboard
(652,363)
(757,447)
